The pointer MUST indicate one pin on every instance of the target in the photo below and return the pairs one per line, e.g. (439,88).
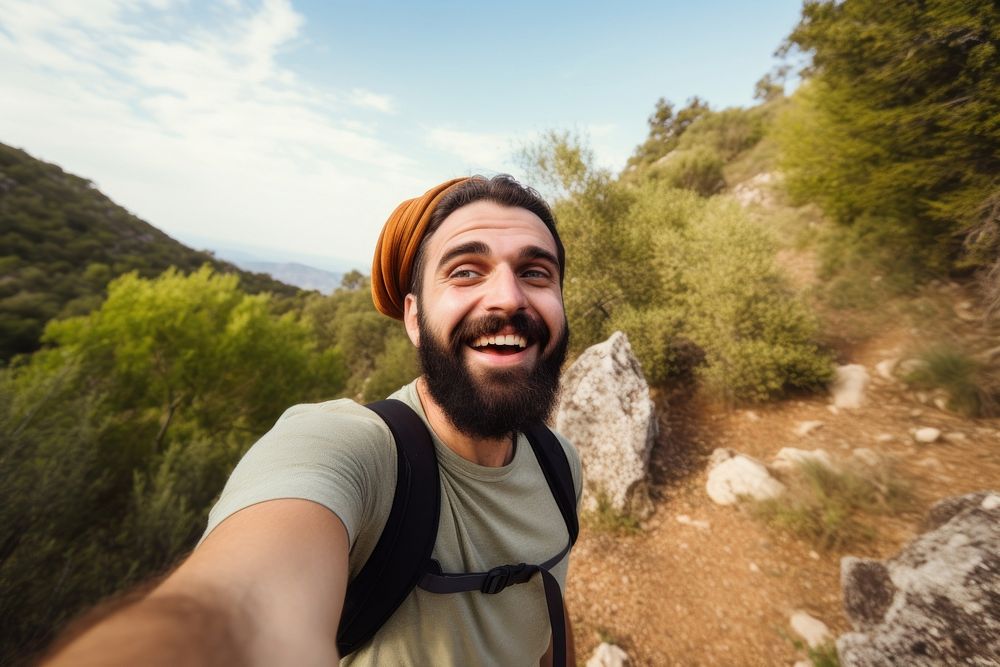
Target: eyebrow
(537,252)
(480,248)
(470,248)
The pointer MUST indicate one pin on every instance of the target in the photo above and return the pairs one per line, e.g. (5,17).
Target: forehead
(498,226)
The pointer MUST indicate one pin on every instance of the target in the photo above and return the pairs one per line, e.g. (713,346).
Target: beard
(500,400)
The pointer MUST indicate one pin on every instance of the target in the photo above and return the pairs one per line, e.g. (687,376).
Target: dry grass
(832,507)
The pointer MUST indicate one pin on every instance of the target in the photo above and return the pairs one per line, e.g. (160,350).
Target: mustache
(523,324)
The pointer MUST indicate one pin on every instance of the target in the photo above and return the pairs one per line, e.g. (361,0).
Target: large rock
(605,410)
(733,475)
(938,601)
(849,384)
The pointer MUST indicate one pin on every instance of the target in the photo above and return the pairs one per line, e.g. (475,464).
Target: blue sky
(297,126)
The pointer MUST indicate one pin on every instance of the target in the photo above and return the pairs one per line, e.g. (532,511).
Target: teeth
(509,339)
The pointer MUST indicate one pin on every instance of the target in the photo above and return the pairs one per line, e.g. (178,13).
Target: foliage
(116,438)
(828,506)
(689,280)
(606,519)
(63,240)
(698,169)
(824,655)
(375,349)
(895,131)
(972,390)
(666,129)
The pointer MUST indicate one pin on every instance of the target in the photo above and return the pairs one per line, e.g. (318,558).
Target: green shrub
(758,336)
(972,390)
(605,518)
(828,506)
(698,169)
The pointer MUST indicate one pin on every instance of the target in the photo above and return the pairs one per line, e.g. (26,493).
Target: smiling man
(474,269)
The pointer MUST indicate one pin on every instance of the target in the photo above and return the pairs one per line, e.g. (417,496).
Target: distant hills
(300,275)
(62,241)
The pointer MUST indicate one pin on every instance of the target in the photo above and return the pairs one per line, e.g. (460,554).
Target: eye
(463,274)
(535,273)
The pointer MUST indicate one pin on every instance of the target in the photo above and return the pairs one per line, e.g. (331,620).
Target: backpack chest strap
(499,578)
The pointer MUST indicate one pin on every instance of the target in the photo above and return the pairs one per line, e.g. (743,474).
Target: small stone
(608,655)
(941,403)
(813,630)
(885,437)
(910,366)
(927,434)
(813,555)
(834,410)
(754,568)
(929,462)
(955,436)
(885,368)
(789,458)
(688,521)
(866,456)
(807,427)
(849,383)
(751,415)
(916,412)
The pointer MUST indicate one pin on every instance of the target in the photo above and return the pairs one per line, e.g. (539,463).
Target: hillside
(62,240)
(702,584)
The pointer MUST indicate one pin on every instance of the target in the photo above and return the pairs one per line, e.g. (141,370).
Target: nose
(504,292)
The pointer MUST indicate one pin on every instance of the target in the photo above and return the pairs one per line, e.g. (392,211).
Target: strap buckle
(500,577)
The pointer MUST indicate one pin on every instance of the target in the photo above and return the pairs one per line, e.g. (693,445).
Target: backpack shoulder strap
(555,467)
(405,545)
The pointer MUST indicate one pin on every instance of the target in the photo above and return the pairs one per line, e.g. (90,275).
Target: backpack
(402,559)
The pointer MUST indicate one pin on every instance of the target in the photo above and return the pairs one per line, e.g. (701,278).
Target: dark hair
(502,189)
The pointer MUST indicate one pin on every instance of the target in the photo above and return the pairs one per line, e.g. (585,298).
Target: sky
(294,128)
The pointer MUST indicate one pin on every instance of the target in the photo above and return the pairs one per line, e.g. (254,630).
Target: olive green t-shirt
(341,455)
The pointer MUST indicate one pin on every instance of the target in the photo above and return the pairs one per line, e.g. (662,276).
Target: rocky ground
(703,584)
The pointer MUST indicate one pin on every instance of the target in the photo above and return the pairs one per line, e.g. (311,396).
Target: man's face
(490,322)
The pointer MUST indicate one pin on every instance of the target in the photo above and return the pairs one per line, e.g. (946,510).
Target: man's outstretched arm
(266,587)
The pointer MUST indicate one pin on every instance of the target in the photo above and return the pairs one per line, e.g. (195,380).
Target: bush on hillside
(698,169)
(972,389)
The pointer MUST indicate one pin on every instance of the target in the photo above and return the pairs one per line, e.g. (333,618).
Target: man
(474,270)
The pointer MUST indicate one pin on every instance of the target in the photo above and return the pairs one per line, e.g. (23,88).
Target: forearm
(158,629)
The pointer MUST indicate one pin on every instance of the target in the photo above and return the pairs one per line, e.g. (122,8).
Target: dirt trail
(680,594)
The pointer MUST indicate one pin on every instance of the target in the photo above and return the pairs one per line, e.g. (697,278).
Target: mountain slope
(62,240)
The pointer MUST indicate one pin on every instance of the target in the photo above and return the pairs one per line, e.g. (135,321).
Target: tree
(895,132)
(118,435)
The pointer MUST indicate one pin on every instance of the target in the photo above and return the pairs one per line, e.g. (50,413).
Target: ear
(410,319)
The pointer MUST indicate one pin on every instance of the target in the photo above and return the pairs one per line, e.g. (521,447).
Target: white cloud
(476,149)
(366,99)
(200,127)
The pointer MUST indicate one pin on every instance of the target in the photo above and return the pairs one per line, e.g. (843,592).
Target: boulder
(733,475)
(608,655)
(935,603)
(605,410)
(849,384)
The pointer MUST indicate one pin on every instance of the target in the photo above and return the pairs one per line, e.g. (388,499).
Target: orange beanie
(397,248)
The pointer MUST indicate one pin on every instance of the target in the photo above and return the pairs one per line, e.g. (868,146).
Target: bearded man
(474,269)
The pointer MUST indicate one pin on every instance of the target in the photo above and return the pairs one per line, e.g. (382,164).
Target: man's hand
(266,587)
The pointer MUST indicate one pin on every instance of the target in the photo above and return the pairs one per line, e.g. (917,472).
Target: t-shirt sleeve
(337,454)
